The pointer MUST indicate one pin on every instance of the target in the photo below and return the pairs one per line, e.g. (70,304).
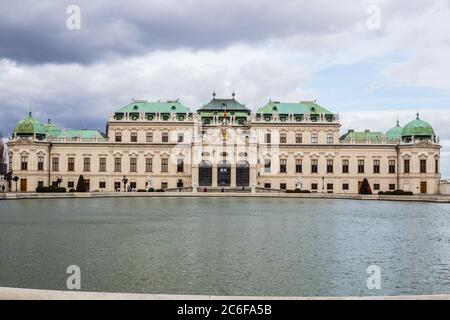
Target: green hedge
(298,191)
(396,193)
(50,189)
(159,190)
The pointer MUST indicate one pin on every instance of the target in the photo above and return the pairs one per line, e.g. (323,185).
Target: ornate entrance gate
(205,174)
(242,174)
(223,174)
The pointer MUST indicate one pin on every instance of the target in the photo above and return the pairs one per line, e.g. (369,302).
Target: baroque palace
(222,147)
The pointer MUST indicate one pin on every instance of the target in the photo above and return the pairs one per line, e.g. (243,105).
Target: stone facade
(225,146)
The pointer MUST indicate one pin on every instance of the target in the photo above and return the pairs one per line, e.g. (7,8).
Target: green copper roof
(362,137)
(417,128)
(302,107)
(82,134)
(51,130)
(29,126)
(155,107)
(224,104)
(395,133)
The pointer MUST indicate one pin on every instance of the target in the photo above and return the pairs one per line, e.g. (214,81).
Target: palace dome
(418,128)
(395,133)
(29,126)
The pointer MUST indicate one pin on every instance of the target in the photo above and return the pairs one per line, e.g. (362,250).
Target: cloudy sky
(332,51)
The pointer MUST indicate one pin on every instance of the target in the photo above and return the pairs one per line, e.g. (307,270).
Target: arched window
(242,174)
(223,174)
(205,173)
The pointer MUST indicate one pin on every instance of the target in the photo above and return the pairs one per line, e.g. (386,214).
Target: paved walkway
(34,294)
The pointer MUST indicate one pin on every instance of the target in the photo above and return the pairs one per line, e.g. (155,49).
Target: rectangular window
(391,166)
(180,165)
(133,164)
(406,166)
(164,165)
(376,166)
(283,186)
(360,166)
(133,185)
(55,164)
(164,185)
(40,163)
(345,166)
(102,184)
(70,184)
(180,137)
(330,166)
(149,165)
(330,137)
(149,136)
(134,137)
(87,164)
(423,166)
(314,166)
(376,187)
(118,136)
(314,138)
(298,138)
(345,187)
(267,186)
(330,187)
(24,163)
(267,165)
(102,165)
(268,138)
(283,138)
(314,186)
(392,186)
(436,166)
(298,166)
(71,164)
(117,164)
(283,166)
(165,137)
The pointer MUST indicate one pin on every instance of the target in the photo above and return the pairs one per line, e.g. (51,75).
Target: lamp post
(15,179)
(323,184)
(125,181)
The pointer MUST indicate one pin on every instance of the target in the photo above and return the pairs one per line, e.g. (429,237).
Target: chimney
(351,130)
(367,130)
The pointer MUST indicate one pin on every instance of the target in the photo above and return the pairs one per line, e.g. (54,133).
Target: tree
(81,185)
(365,187)
(3,167)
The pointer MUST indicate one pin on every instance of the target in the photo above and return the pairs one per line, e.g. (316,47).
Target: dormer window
(173,108)
(135,107)
(275,109)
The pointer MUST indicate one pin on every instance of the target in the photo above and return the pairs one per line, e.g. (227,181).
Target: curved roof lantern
(395,133)
(418,128)
(51,130)
(29,127)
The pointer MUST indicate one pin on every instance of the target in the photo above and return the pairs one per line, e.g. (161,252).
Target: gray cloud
(35,32)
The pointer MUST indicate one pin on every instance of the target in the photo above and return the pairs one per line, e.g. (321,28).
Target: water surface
(226,246)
